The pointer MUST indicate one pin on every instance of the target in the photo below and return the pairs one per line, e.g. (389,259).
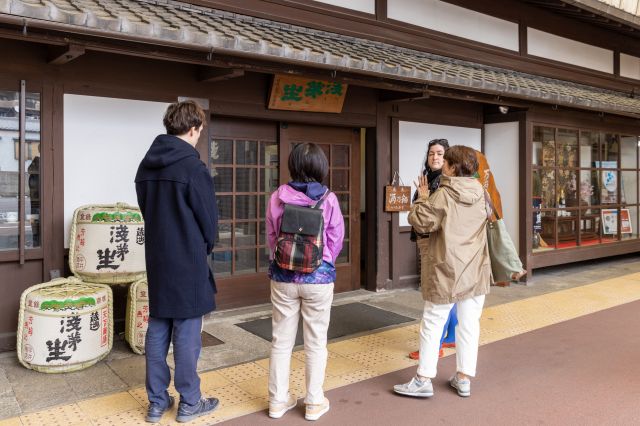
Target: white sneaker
(422,389)
(278,409)
(315,411)
(463,386)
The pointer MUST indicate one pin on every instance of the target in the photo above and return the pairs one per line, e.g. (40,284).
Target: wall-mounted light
(638,140)
(503,109)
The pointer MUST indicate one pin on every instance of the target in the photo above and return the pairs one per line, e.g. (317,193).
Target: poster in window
(625,222)
(609,182)
(609,221)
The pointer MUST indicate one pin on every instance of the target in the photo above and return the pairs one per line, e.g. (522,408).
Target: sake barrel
(137,316)
(106,244)
(65,325)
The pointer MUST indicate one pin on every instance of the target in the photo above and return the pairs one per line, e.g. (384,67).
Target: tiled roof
(164,21)
(628,10)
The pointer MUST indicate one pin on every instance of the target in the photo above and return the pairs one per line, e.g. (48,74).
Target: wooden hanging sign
(397,198)
(295,93)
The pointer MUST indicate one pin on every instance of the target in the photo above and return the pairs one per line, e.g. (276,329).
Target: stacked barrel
(67,324)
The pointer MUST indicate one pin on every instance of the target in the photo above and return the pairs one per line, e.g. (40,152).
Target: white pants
(434,318)
(314,302)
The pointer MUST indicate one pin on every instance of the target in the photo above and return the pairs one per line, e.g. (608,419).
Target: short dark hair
(442,142)
(462,159)
(180,117)
(307,163)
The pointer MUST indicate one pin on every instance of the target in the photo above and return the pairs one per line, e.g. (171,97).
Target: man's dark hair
(462,159)
(307,163)
(180,117)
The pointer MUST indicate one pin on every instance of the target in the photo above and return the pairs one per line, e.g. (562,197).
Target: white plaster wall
(413,140)
(629,66)
(367,6)
(545,45)
(455,20)
(501,147)
(104,141)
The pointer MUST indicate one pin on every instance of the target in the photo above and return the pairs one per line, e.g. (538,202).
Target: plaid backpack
(301,239)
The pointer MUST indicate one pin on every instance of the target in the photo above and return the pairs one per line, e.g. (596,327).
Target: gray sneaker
(414,388)
(186,413)
(463,386)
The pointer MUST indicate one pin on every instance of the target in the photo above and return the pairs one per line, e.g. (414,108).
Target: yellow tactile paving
(65,415)
(107,405)
(242,389)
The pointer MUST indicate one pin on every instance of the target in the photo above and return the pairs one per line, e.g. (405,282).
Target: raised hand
(422,186)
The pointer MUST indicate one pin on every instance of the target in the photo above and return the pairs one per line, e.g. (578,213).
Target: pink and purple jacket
(333,229)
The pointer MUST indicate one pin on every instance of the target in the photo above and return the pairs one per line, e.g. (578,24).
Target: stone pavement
(24,391)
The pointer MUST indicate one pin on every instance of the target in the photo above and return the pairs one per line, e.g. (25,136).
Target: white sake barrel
(64,325)
(106,244)
(137,316)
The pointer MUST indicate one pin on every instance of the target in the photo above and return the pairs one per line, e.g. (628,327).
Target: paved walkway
(242,387)
(577,372)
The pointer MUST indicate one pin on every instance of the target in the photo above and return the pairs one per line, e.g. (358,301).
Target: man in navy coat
(177,199)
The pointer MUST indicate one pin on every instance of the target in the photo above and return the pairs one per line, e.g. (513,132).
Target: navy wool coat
(177,198)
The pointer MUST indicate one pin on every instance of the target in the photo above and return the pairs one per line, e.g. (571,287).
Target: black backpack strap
(321,200)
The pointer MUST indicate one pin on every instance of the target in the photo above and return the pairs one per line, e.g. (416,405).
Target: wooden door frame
(322,134)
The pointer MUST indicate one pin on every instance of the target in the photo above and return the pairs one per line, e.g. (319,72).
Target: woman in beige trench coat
(458,269)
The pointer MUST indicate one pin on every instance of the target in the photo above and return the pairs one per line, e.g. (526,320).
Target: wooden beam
(210,75)
(67,54)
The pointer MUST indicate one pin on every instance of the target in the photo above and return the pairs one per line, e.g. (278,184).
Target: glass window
(629,155)
(629,222)
(544,146)
(610,231)
(221,151)
(567,192)
(609,145)
(10,167)
(246,173)
(567,148)
(544,231)
(589,148)
(584,187)
(590,227)
(587,190)
(629,187)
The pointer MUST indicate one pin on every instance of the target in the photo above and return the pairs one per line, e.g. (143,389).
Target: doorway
(342,148)
(248,162)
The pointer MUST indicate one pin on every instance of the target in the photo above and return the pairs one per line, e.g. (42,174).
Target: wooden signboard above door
(306,94)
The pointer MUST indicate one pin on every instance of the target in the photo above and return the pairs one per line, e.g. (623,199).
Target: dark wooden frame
(568,119)
(291,133)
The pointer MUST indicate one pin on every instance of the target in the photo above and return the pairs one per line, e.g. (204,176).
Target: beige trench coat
(455,258)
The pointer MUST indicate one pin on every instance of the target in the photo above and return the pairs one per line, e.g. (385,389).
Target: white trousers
(314,302)
(434,318)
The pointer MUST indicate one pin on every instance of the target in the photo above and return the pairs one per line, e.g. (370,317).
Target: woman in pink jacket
(294,293)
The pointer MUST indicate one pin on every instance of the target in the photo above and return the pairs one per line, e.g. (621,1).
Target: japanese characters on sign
(108,243)
(137,318)
(303,94)
(397,198)
(65,327)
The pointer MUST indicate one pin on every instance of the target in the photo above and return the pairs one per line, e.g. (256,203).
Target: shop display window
(584,187)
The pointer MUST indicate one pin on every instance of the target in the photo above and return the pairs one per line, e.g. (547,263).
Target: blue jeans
(449,332)
(187,344)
